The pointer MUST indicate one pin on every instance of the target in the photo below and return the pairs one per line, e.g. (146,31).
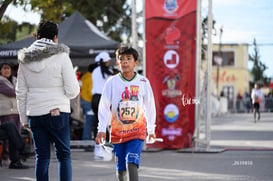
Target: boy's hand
(151,136)
(101,136)
(151,139)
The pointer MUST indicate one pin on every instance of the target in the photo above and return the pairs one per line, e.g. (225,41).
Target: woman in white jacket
(46,82)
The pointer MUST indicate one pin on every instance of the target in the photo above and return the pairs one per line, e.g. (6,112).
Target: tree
(5,3)
(108,16)
(205,35)
(3,6)
(7,30)
(10,30)
(111,17)
(25,29)
(258,68)
(55,10)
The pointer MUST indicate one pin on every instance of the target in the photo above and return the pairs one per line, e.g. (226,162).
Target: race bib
(128,111)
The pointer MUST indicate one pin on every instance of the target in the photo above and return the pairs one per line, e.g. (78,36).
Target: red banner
(170,67)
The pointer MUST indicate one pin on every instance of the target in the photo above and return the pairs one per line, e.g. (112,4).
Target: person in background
(238,102)
(128,101)
(256,96)
(46,83)
(8,104)
(86,98)
(8,131)
(99,77)
(247,101)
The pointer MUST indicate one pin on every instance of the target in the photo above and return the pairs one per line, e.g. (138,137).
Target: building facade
(230,72)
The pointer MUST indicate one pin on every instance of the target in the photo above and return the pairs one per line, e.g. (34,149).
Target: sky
(242,21)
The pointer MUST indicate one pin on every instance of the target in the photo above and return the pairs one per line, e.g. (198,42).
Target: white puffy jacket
(46,79)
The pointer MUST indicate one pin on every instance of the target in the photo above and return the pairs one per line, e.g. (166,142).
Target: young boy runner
(127,100)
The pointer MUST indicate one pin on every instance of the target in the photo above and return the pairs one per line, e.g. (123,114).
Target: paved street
(240,131)
(248,156)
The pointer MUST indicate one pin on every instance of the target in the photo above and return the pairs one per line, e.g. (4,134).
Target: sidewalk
(237,132)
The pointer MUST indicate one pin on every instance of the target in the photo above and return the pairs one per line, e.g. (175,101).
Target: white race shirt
(130,106)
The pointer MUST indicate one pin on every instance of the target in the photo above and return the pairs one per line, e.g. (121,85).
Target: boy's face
(127,63)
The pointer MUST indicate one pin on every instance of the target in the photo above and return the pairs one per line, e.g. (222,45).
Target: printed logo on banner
(171,113)
(170,81)
(172,132)
(172,35)
(170,6)
(171,59)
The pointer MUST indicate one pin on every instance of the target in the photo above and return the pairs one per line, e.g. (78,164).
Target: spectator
(8,131)
(8,104)
(247,102)
(99,77)
(238,102)
(46,84)
(86,98)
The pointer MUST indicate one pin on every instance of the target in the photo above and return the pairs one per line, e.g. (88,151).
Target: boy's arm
(104,113)
(149,107)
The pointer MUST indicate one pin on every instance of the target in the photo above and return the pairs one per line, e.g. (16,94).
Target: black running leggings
(95,107)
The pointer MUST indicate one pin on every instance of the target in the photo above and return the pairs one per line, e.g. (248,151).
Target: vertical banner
(170,30)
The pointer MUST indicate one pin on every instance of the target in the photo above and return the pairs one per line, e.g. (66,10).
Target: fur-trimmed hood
(28,55)
(34,56)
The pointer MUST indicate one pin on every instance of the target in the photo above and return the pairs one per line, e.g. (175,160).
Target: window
(223,58)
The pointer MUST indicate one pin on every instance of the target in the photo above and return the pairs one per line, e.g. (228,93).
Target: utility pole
(197,74)
(209,55)
(219,62)
(134,25)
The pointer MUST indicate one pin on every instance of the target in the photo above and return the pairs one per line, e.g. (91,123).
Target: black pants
(8,131)
(256,106)
(95,107)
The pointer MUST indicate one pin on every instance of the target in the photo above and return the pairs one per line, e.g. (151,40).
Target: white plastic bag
(103,152)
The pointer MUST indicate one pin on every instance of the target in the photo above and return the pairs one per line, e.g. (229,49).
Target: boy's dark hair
(47,29)
(125,50)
